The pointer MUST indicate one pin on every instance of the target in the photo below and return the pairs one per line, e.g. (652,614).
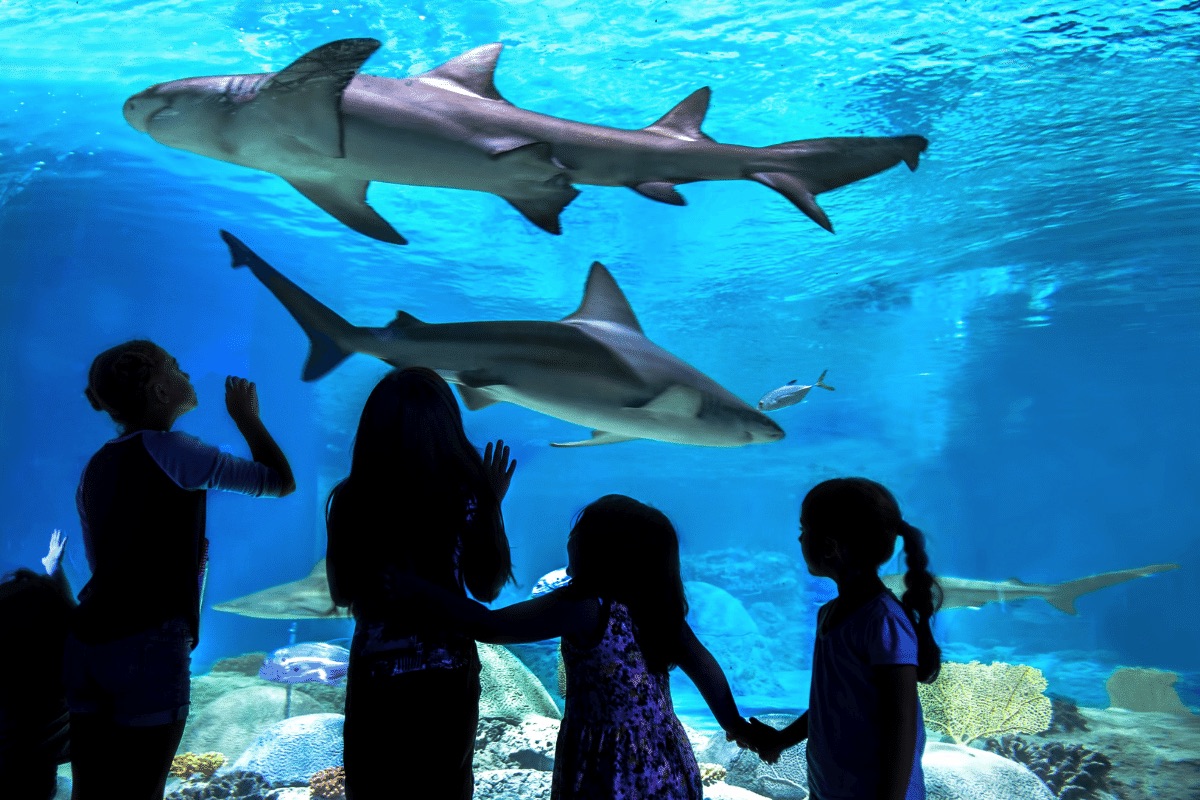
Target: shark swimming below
(595,367)
(307,598)
(329,131)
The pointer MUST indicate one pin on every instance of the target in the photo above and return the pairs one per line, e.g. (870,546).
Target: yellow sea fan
(969,701)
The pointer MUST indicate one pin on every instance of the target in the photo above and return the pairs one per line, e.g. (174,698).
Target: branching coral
(969,701)
(233,786)
(711,773)
(1071,772)
(328,784)
(190,765)
(1064,716)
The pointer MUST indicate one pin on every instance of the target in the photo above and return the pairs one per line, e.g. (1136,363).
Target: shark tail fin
(820,165)
(327,332)
(821,381)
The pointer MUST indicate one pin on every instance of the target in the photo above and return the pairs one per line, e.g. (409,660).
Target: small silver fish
(789,395)
(551,581)
(307,662)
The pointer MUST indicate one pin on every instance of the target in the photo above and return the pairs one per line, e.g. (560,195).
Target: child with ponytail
(864,726)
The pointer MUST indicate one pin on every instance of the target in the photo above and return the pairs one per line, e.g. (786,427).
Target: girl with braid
(864,726)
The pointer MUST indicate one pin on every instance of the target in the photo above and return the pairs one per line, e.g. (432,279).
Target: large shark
(307,598)
(971,593)
(595,367)
(329,132)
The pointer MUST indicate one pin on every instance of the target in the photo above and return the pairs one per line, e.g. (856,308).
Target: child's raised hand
(52,558)
(499,468)
(241,399)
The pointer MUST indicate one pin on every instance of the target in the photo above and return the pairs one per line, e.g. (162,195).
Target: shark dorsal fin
(792,382)
(473,72)
(305,96)
(603,301)
(684,120)
(404,320)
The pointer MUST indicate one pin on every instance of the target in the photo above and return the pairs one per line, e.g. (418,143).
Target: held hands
(54,557)
(760,738)
(241,400)
(498,467)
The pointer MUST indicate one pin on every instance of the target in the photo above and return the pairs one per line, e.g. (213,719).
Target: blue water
(1012,329)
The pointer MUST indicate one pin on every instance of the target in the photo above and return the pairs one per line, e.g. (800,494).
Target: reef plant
(1070,771)
(711,773)
(328,784)
(190,766)
(971,701)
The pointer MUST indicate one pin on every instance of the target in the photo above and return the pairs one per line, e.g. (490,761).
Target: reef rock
(509,690)
(503,745)
(1137,689)
(952,772)
(725,791)
(512,784)
(290,752)
(232,721)
(957,772)
(734,638)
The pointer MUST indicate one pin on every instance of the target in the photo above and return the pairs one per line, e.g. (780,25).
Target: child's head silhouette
(139,383)
(848,527)
(623,550)
(415,479)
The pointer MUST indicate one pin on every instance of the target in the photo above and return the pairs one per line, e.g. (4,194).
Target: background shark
(593,368)
(329,132)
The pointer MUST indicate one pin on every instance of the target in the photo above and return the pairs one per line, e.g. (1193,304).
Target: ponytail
(922,599)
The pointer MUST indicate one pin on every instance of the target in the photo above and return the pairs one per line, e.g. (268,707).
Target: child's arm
(699,665)
(547,617)
(52,561)
(897,684)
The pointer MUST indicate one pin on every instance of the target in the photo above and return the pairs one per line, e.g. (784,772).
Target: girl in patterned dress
(622,624)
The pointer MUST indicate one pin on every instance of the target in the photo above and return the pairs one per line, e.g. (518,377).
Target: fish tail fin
(330,337)
(821,381)
(812,166)
(1064,598)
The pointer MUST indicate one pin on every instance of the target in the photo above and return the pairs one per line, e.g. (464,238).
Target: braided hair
(863,517)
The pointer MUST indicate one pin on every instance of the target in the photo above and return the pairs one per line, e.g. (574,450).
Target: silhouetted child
(864,726)
(34,722)
(418,499)
(141,503)
(621,619)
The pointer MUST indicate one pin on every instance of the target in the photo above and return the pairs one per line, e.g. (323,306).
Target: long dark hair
(418,496)
(626,551)
(118,378)
(863,517)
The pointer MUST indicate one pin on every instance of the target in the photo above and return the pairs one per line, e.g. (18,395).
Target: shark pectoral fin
(474,71)
(798,192)
(474,399)
(544,209)
(304,98)
(676,401)
(479,379)
(598,437)
(683,121)
(662,191)
(346,201)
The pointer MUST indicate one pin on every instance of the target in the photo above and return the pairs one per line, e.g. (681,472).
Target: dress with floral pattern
(620,738)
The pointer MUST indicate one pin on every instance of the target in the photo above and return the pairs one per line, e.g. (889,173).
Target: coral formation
(245,664)
(1071,772)
(188,766)
(231,786)
(328,784)
(1137,689)
(1064,716)
(711,773)
(970,701)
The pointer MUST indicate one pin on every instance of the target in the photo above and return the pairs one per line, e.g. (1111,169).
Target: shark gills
(330,131)
(595,367)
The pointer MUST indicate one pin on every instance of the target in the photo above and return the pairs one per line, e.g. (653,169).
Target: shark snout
(141,107)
